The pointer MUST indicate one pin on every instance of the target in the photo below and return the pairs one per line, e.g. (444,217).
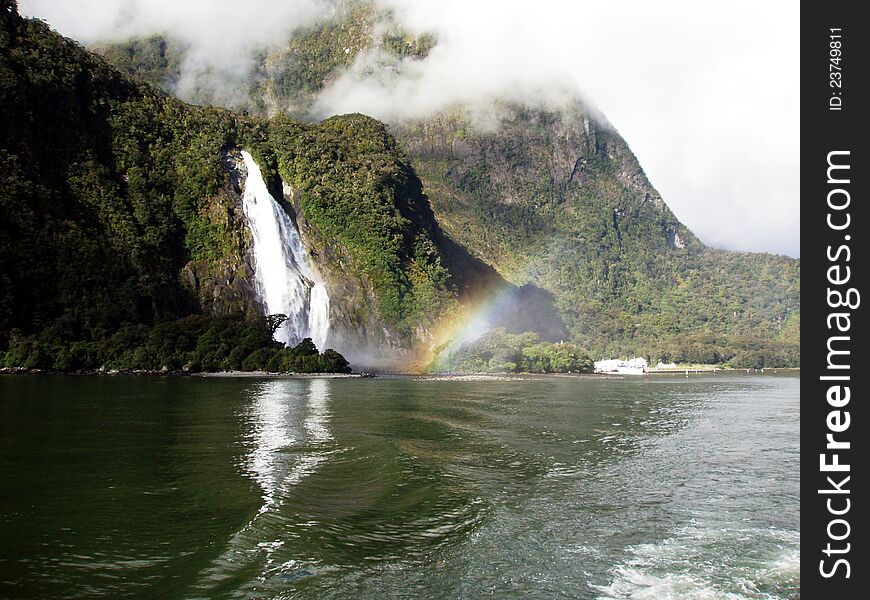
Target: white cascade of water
(286,283)
(318,315)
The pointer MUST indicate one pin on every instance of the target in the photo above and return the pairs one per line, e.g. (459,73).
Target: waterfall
(318,315)
(285,281)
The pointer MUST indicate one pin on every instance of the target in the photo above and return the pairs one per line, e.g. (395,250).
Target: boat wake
(749,564)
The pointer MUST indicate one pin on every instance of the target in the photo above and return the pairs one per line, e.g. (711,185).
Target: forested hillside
(556,198)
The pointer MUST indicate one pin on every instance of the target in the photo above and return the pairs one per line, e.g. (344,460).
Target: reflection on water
(288,433)
(283,416)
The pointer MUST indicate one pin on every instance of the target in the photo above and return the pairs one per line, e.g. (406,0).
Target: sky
(705,92)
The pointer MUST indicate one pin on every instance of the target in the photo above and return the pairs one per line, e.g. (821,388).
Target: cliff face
(533,173)
(357,326)
(224,285)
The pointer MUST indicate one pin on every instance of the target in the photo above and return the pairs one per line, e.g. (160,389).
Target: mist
(706,94)
(221,36)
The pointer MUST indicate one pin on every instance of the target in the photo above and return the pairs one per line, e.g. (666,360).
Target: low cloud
(221,36)
(706,94)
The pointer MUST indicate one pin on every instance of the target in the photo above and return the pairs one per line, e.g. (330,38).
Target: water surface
(650,487)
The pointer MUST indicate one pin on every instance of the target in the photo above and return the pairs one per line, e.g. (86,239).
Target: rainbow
(467,323)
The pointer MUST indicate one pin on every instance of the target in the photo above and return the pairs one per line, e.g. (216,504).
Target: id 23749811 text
(835,69)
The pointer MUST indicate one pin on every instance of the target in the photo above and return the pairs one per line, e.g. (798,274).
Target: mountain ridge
(472,212)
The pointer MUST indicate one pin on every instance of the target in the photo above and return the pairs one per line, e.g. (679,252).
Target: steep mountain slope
(285,78)
(554,198)
(119,208)
(156,60)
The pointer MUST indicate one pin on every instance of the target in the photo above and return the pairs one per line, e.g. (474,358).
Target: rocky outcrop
(223,280)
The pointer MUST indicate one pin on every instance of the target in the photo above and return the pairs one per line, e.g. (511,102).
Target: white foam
(708,564)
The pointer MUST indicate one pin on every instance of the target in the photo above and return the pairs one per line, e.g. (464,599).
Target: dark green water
(653,487)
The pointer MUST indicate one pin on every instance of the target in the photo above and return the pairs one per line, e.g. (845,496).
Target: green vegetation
(192,344)
(557,199)
(285,78)
(156,60)
(359,193)
(290,77)
(107,188)
(500,352)
(403,45)
(117,213)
